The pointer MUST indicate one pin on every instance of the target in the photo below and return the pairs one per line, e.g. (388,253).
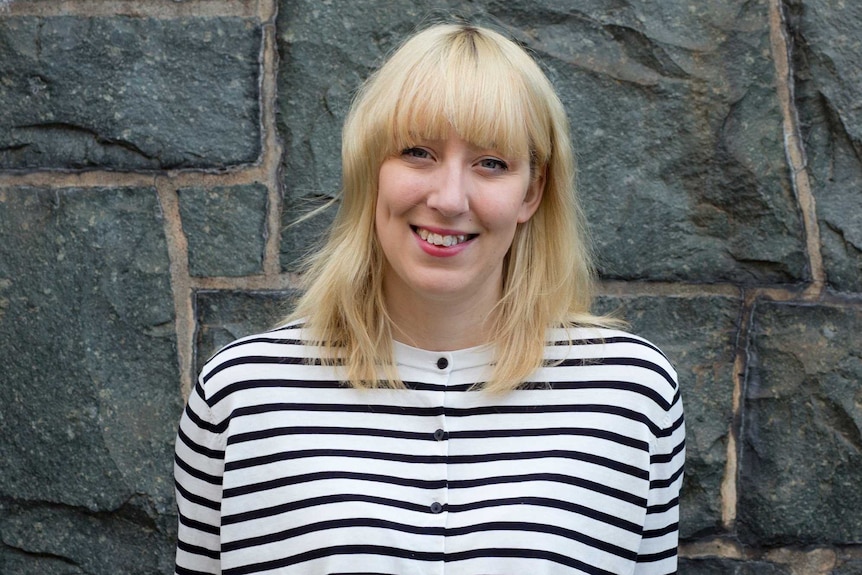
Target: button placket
(441,436)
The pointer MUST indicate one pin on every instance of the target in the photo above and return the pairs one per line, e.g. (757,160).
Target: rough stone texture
(134,539)
(223,317)
(853,567)
(128,93)
(716,566)
(827,48)
(19,563)
(801,463)
(226,228)
(305,224)
(673,110)
(89,378)
(698,335)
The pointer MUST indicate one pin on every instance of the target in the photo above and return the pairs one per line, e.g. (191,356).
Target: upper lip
(442,231)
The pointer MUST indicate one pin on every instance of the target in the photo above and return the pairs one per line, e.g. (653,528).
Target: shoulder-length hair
(493,94)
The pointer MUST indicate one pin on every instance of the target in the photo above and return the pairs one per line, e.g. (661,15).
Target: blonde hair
(491,93)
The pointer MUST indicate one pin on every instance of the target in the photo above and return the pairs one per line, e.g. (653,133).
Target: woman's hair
(493,94)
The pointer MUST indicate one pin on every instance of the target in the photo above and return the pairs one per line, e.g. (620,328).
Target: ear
(532,198)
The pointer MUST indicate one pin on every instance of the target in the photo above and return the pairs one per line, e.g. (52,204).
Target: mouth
(442,240)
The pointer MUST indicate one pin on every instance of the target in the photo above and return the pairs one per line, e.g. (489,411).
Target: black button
(436,507)
(439,435)
(442,363)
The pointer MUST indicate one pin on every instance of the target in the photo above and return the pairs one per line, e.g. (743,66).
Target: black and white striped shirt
(281,469)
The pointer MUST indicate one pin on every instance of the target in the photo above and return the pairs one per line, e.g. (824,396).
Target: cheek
(503,214)
(394,193)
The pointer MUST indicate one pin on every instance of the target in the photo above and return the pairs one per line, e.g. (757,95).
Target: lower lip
(441,251)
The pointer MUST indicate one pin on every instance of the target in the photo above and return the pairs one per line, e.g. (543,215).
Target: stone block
(225,228)
(698,334)
(133,540)
(21,563)
(304,229)
(89,382)
(718,566)
(224,316)
(801,459)
(827,41)
(673,110)
(851,567)
(122,92)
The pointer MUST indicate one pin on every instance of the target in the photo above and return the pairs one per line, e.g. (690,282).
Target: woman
(441,401)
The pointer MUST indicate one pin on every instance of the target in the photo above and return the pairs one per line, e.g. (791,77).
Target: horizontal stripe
(197,499)
(528,554)
(438,459)
(445,532)
(656,533)
(437,411)
(553,478)
(179,570)
(336,550)
(617,361)
(330,475)
(551,504)
(205,451)
(327,525)
(198,550)
(312,384)
(199,525)
(424,436)
(317,501)
(197,473)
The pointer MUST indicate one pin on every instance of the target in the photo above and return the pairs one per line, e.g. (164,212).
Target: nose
(450,190)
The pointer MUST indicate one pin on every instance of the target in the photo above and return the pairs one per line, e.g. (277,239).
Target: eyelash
(497,164)
(415,152)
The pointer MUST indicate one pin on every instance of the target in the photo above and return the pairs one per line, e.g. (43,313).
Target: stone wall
(155,156)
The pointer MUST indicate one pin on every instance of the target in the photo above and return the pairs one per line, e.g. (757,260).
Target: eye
(494,164)
(418,153)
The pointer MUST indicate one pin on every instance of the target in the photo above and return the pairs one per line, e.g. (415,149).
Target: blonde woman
(442,401)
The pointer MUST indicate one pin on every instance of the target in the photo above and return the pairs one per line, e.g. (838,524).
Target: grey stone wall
(154,156)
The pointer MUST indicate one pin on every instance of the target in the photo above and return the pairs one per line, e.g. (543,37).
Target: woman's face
(445,217)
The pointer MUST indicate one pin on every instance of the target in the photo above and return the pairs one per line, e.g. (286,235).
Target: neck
(440,325)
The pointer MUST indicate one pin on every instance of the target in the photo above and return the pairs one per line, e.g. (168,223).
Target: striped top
(281,469)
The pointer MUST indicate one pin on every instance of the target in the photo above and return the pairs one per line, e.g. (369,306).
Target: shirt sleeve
(658,551)
(198,471)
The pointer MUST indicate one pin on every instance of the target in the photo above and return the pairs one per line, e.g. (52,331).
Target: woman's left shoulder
(613,348)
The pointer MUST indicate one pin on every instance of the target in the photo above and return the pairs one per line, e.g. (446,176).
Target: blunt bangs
(463,80)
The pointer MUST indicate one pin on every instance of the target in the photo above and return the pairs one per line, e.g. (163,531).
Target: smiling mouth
(441,240)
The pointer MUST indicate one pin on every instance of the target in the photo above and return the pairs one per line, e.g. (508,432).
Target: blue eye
(494,164)
(415,153)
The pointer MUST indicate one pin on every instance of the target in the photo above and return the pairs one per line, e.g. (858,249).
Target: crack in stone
(646,52)
(842,236)
(138,509)
(839,423)
(98,138)
(42,554)
(14,147)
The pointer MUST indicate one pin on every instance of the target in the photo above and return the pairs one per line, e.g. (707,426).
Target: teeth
(439,240)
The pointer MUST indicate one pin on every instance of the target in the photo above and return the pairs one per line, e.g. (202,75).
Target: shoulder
(614,355)
(606,341)
(252,354)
